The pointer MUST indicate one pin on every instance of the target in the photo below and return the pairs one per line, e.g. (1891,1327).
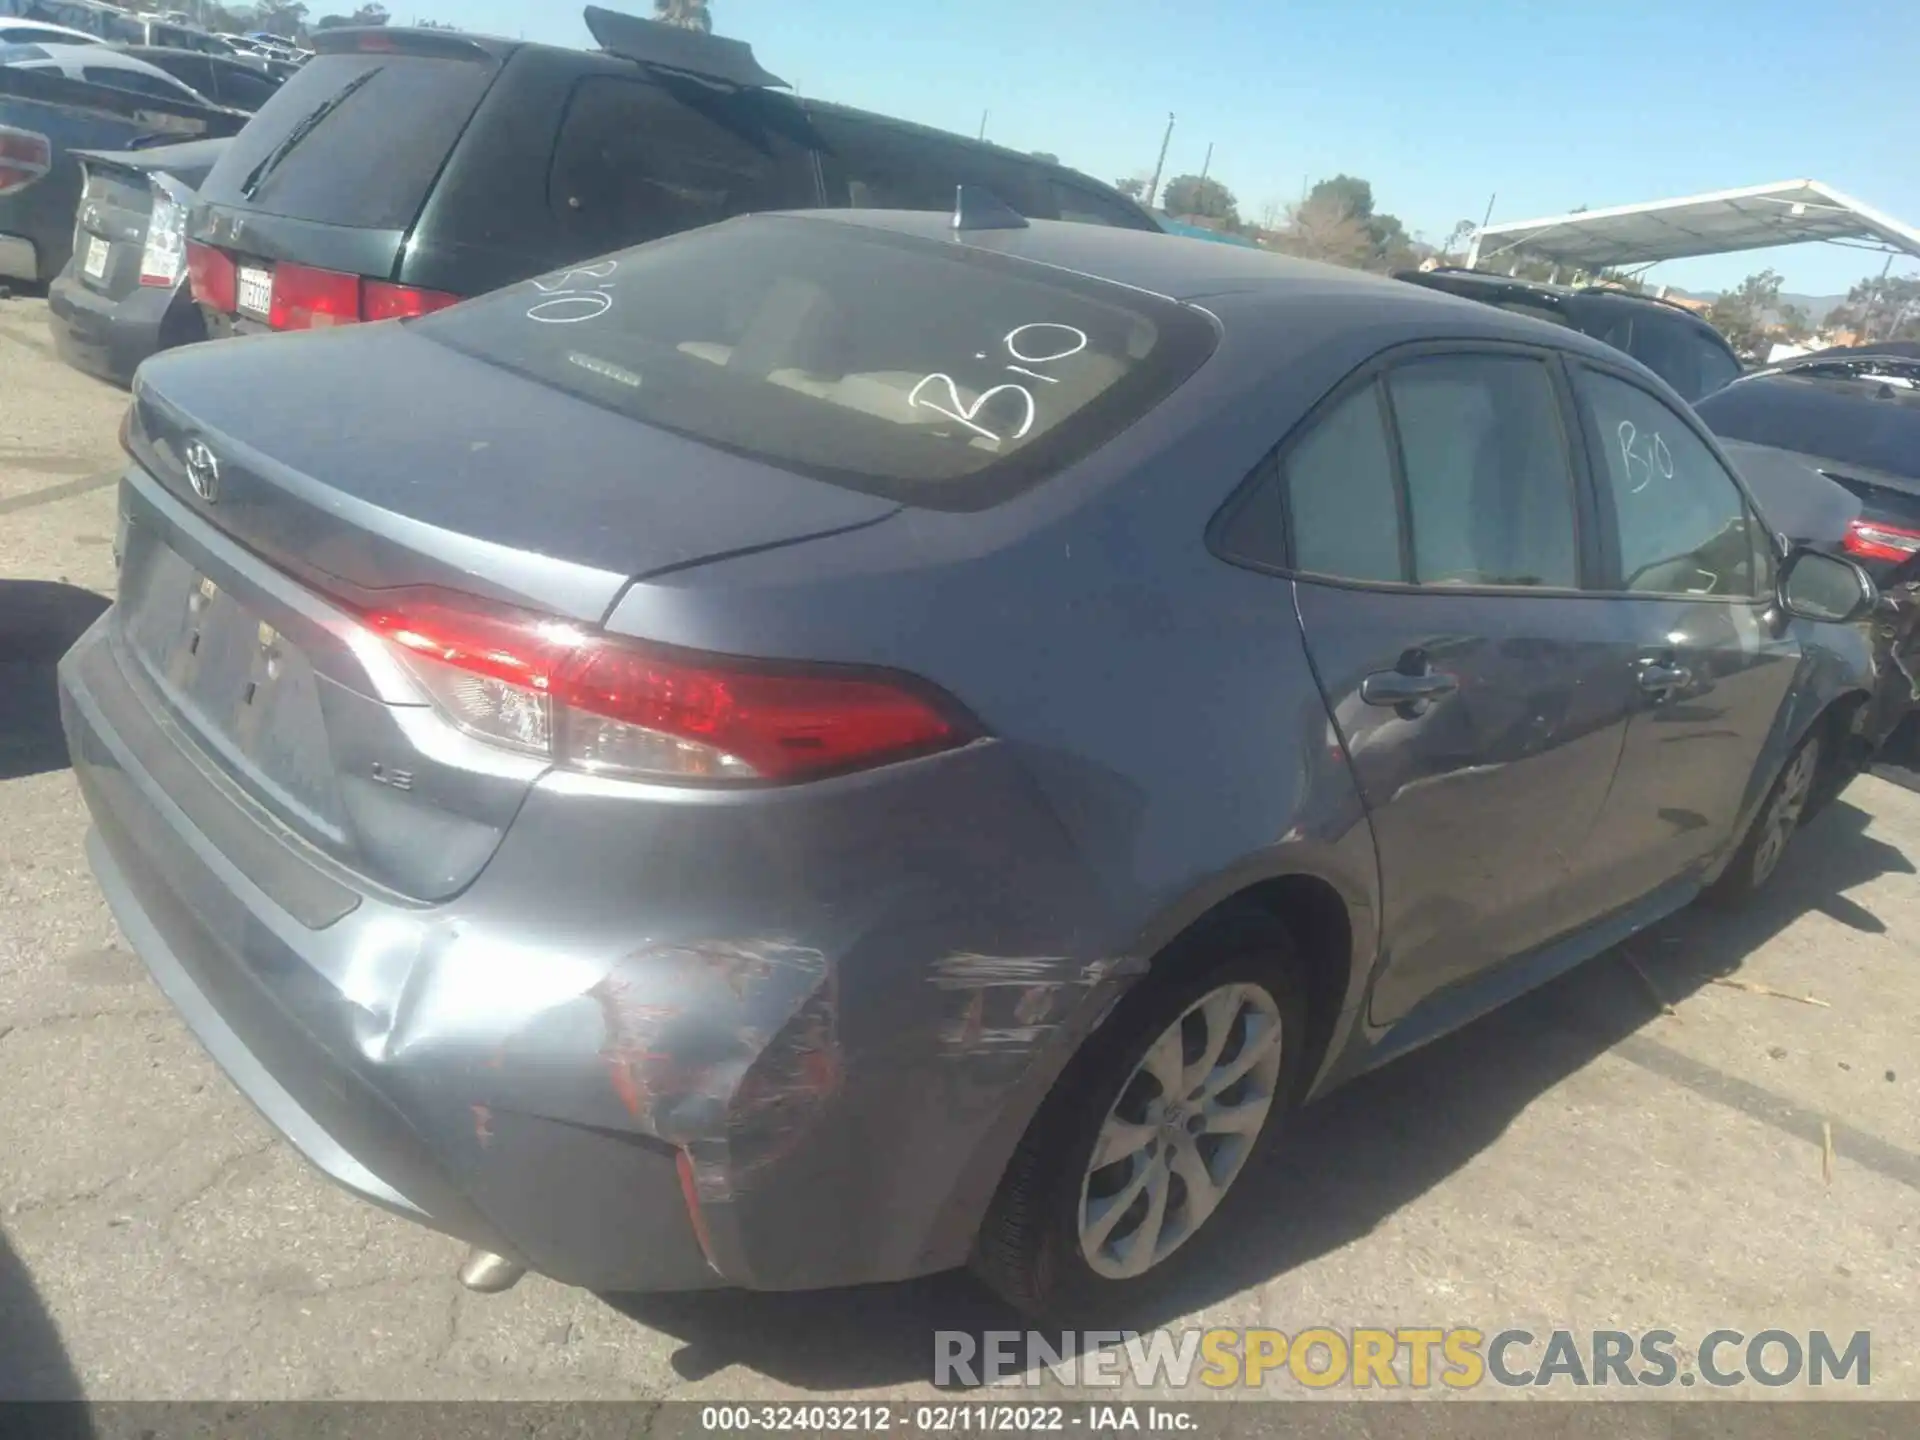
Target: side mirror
(1817,586)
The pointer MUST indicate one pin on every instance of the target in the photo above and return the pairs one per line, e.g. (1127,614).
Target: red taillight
(25,157)
(214,279)
(305,298)
(308,298)
(612,707)
(1877,540)
(382,301)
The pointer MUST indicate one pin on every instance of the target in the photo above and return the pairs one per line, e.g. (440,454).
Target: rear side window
(637,162)
(1489,482)
(242,88)
(1339,480)
(137,82)
(370,159)
(1090,207)
(1679,353)
(888,167)
(1488,487)
(932,373)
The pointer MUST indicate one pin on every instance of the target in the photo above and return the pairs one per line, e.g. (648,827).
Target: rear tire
(1223,1020)
(1758,859)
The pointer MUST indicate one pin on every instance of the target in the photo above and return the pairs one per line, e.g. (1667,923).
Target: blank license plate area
(256,291)
(98,251)
(247,692)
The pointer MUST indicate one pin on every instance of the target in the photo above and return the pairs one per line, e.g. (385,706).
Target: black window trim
(1374,371)
(1608,579)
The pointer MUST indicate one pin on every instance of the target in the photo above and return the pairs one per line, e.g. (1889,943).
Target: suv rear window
(932,373)
(1675,350)
(369,162)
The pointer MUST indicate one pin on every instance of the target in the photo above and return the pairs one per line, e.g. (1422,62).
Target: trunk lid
(329,468)
(116,205)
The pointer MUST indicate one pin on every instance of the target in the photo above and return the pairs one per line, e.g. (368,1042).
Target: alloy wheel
(1789,802)
(1180,1130)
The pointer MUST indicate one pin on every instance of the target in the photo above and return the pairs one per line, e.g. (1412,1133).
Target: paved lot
(1582,1160)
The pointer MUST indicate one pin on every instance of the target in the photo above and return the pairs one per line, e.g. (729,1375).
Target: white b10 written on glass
(1041,343)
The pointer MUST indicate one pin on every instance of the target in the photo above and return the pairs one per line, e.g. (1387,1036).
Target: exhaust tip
(490,1274)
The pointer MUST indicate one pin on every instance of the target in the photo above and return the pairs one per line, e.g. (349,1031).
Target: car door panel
(1479,696)
(1482,803)
(1693,569)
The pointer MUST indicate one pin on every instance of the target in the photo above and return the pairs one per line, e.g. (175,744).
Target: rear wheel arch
(1319,919)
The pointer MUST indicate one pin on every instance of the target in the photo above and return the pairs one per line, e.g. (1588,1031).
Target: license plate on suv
(98,252)
(256,291)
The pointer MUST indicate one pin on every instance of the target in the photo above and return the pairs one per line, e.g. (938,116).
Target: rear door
(1693,568)
(1436,536)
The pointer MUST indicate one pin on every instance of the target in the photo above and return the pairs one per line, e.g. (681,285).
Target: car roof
(1235,280)
(102,57)
(47,31)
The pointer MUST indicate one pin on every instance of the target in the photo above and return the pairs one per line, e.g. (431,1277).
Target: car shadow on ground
(33,1362)
(1350,1160)
(39,621)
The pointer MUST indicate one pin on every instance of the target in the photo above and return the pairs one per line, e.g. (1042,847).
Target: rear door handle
(1410,694)
(1658,679)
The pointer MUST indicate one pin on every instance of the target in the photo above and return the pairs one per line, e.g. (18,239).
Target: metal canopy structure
(1790,213)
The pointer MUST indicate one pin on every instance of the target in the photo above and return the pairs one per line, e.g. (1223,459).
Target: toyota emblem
(203,471)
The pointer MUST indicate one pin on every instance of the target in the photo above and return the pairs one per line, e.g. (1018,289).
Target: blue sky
(1549,105)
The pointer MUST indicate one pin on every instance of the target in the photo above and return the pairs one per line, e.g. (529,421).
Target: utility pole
(983,123)
(1874,302)
(1153,186)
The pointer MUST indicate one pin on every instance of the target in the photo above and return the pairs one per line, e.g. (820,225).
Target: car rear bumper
(777,1113)
(109,337)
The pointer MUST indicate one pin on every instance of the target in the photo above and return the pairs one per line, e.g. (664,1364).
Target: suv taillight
(25,157)
(164,259)
(306,297)
(1877,540)
(615,707)
(215,280)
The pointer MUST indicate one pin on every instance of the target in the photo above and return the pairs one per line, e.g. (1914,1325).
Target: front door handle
(1412,693)
(1661,680)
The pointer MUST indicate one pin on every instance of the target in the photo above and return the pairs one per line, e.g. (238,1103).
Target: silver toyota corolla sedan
(836,746)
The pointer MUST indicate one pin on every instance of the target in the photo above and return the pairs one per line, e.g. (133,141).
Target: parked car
(239,84)
(1851,417)
(45,116)
(1670,340)
(161,34)
(124,295)
(498,160)
(37,32)
(835,744)
(103,21)
(102,65)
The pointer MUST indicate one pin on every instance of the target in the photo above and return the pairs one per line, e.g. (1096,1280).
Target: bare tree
(685,14)
(1324,227)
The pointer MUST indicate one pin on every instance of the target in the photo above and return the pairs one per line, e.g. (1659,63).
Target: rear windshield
(1872,424)
(928,372)
(369,161)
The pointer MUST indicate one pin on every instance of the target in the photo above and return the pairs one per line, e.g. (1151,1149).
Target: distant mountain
(1818,307)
